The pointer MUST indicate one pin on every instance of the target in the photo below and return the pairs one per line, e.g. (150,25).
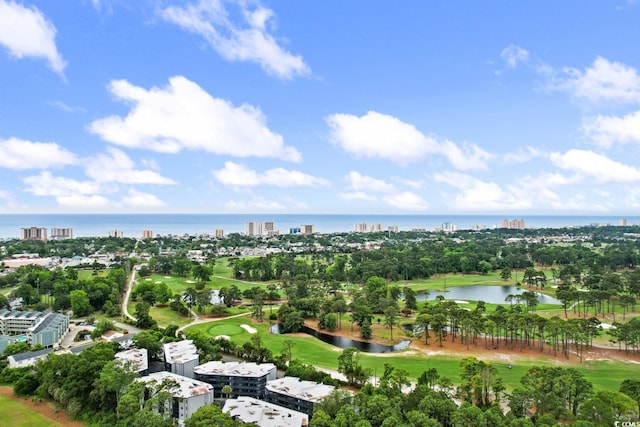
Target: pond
(488,294)
(342,342)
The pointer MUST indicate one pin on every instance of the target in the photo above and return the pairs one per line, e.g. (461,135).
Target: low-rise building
(181,357)
(263,414)
(296,394)
(188,394)
(29,358)
(245,379)
(47,329)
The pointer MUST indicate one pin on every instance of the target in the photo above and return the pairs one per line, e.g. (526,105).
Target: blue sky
(214,106)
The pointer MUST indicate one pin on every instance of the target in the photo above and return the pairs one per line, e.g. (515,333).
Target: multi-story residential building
(517,224)
(296,394)
(36,327)
(308,229)
(33,233)
(245,379)
(295,230)
(61,233)
(219,233)
(181,357)
(147,234)
(263,414)
(368,228)
(393,229)
(116,233)
(260,228)
(138,357)
(188,394)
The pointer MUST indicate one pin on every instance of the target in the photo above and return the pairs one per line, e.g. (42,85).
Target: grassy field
(22,415)
(603,374)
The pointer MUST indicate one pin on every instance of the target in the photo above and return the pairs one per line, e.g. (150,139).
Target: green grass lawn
(603,374)
(23,416)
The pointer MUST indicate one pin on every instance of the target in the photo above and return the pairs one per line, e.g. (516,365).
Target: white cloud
(523,155)
(469,157)
(65,107)
(116,166)
(358,182)
(604,81)
(357,195)
(477,195)
(513,54)
(604,131)
(26,32)
(242,37)
(47,184)
(377,135)
(83,202)
(138,199)
(240,176)
(184,116)
(20,154)
(256,205)
(406,200)
(594,165)
(6,199)
(415,184)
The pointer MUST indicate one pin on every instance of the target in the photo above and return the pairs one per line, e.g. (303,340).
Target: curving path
(200,320)
(127,293)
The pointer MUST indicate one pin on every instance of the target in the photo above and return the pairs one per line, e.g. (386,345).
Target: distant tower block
(147,234)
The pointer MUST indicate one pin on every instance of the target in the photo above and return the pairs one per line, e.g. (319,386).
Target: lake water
(489,294)
(342,342)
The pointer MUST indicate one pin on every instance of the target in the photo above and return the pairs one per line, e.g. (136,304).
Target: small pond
(342,342)
(488,294)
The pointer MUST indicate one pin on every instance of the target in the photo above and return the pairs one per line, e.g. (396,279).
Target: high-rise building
(368,228)
(623,222)
(116,233)
(260,229)
(308,229)
(516,224)
(219,233)
(147,234)
(33,233)
(61,233)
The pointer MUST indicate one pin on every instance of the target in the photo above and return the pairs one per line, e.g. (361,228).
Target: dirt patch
(502,353)
(42,407)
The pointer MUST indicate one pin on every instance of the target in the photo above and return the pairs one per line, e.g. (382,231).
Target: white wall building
(188,394)
(263,414)
(181,357)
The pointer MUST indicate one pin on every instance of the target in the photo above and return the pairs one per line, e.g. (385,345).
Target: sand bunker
(461,302)
(249,329)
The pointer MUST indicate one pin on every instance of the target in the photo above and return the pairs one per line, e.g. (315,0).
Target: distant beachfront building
(516,224)
(295,230)
(188,395)
(368,228)
(393,229)
(263,414)
(296,394)
(219,233)
(147,234)
(448,227)
(308,229)
(61,233)
(33,233)
(116,233)
(623,222)
(245,379)
(267,228)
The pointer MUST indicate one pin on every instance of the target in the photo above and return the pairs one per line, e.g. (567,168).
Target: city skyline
(220,106)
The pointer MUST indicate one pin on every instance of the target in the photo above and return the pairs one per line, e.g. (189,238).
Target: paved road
(127,292)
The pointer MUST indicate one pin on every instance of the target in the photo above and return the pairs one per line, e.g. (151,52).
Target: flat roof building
(61,233)
(296,394)
(138,357)
(188,394)
(245,378)
(263,414)
(181,357)
(33,233)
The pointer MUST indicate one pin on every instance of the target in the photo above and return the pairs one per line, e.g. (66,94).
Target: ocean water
(132,225)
